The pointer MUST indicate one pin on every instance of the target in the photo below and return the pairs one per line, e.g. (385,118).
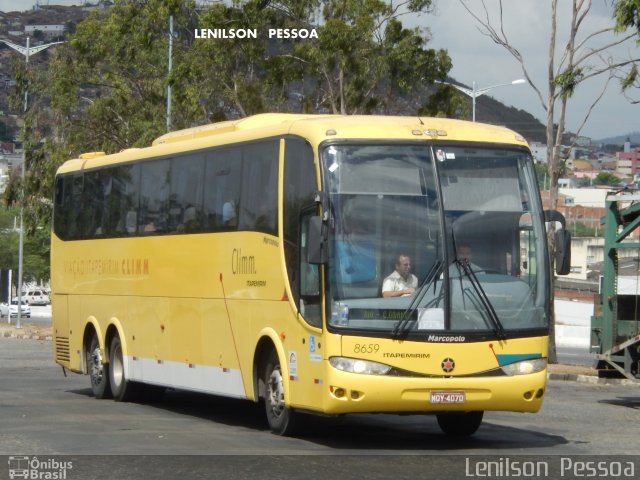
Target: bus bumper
(356,393)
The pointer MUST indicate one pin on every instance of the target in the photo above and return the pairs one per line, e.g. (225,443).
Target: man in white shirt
(401,282)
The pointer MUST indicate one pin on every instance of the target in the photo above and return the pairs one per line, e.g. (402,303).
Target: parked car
(6,310)
(37,297)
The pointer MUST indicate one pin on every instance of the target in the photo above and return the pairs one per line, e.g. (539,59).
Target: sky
(477,59)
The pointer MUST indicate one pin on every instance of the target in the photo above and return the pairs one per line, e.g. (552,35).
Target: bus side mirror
(317,241)
(563,252)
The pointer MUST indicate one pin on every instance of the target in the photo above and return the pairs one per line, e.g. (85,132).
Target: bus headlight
(525,367)
(354,365)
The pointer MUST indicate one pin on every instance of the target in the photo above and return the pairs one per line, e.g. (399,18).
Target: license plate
(446,397)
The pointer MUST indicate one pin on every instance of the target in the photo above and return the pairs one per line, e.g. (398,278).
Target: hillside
(488,109)
(633,137)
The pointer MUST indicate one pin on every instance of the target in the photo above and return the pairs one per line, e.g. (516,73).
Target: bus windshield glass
(434,239)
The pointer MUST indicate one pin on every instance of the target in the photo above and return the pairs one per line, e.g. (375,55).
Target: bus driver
(401,281)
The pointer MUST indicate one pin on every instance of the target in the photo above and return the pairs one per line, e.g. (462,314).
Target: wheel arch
(268,341)
(91,328)
(115,329)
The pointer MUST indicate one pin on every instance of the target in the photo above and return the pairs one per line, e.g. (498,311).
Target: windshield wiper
(432,275)
(498,328)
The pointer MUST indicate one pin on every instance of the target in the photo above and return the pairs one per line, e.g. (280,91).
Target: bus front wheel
(123,390)
(282,419)
(98,371)
(460,424)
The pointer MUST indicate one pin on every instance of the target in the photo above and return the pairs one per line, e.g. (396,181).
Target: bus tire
(98,370)
(123,390)
(460,424)
(282,419)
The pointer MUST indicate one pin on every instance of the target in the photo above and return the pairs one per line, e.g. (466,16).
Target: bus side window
(61,207)
(185,199)
(259,195)
(223,179)
(75,217)
(123,200)
(154,194)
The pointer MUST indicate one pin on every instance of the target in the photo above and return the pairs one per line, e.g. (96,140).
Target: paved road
(46,416)
(575,355)
(41,411)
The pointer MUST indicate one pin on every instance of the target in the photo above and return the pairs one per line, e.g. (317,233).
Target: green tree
(36,248)
(446,102)
(606,178)
(229,78)
(105,89)
(108,83)
(627,15)
(579,229)
(364,57)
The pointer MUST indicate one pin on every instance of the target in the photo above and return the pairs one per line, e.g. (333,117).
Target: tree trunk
(553,180)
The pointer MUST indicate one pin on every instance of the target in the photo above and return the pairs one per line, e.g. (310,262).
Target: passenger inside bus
(229,216)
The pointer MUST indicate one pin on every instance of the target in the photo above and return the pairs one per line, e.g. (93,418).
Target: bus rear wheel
(98,371)
(282,419)
(460,424)
(123,389)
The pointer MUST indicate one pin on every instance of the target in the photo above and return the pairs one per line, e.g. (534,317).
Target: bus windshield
(434,239)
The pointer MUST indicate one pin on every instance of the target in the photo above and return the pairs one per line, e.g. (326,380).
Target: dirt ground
(564,369)
(27,330)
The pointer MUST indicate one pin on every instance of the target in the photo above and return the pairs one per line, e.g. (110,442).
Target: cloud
(527,25)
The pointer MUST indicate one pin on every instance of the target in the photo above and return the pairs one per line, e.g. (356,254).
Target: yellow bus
(248,259)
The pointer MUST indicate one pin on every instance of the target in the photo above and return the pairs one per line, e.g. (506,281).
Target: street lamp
(476,92)
(26,51)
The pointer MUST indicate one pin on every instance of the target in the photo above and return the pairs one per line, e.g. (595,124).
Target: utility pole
(169,75)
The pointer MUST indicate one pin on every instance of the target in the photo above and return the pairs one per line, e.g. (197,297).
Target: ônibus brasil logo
(36,469)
